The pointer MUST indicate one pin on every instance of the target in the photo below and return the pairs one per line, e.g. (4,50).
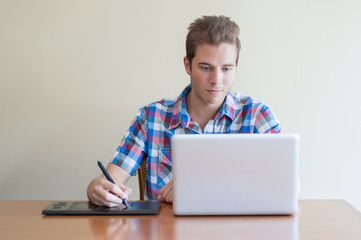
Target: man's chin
(216,101)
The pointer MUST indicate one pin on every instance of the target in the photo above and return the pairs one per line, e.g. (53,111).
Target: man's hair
(212,30)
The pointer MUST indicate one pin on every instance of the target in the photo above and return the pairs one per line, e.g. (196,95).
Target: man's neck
(200,111)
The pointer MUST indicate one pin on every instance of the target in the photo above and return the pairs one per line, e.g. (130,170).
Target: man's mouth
(211,91)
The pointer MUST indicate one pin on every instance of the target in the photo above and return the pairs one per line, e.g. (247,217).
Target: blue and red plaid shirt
(149,135)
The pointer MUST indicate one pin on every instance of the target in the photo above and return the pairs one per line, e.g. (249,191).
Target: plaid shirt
(149,135)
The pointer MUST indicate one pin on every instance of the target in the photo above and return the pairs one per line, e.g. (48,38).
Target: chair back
(142,176)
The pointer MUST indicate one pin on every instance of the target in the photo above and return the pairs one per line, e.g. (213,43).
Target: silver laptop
(235,174)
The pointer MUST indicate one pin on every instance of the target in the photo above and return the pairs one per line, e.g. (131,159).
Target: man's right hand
(101,192)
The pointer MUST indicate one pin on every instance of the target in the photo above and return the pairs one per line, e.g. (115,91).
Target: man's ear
(187,65)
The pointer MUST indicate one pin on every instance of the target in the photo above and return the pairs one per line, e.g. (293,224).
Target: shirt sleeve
(266,121)
(132,149)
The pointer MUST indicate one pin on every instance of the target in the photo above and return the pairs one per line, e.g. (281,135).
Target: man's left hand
(166,193)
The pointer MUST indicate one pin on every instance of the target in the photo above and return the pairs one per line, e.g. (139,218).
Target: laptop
(235,174)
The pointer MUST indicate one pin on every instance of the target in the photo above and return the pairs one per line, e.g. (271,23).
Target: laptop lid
(235,174)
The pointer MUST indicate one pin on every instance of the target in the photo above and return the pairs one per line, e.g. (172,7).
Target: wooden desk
(317,219)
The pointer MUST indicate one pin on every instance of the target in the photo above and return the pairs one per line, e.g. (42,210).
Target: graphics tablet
(87,208)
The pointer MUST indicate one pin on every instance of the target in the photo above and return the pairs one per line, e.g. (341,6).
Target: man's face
(212,73)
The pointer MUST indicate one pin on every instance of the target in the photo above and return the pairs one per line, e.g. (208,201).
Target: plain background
(74,73)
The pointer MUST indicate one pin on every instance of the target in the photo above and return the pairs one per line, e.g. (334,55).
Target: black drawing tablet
(87,208)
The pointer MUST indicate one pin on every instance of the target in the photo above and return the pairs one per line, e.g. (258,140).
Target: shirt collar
(181,116)
(227,108)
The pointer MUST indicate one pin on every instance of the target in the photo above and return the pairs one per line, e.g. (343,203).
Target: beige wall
(74,73)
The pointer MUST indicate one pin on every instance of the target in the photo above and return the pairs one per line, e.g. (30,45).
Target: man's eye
(226,69)
(205,68)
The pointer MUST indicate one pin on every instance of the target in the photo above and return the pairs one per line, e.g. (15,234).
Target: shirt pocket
(164,166)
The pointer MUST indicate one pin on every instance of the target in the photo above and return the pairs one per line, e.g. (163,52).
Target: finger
(126,190)
(103,193)
(113,188)
(112,199)
(102,202)
(167,190)
(170,198)
(108,199)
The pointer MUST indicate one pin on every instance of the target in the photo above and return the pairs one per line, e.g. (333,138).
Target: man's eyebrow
(224,65)
(227,64)
(204,63)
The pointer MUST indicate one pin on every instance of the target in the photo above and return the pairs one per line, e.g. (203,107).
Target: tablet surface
(87,208)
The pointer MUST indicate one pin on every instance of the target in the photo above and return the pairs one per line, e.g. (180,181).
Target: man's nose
(216,76)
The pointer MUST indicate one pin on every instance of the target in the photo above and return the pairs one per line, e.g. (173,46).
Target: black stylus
(110,179)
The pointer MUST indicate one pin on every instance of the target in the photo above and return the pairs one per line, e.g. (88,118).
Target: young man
(206,106)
